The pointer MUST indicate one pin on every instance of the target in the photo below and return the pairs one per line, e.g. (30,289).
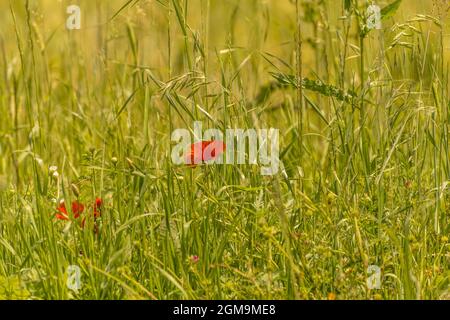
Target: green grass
(364,138)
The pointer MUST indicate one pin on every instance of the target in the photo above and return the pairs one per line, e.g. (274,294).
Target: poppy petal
(204,151)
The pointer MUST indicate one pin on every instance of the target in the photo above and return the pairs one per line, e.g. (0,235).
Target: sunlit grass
(364,141)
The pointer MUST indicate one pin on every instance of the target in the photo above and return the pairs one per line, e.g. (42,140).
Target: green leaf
(347,4)
(390,9)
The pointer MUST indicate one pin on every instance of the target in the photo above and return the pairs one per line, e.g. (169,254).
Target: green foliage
(364,142)
(12,288)
(390,9)
(315,86)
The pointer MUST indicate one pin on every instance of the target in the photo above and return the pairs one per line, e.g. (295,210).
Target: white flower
(374,17)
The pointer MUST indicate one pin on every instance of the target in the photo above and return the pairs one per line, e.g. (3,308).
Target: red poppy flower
(96,211)
(97,207)
(204,151)
(77,209)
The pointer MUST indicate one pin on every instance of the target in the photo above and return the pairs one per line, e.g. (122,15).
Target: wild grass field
(86,177)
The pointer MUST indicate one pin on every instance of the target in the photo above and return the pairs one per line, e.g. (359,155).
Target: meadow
(87,180)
